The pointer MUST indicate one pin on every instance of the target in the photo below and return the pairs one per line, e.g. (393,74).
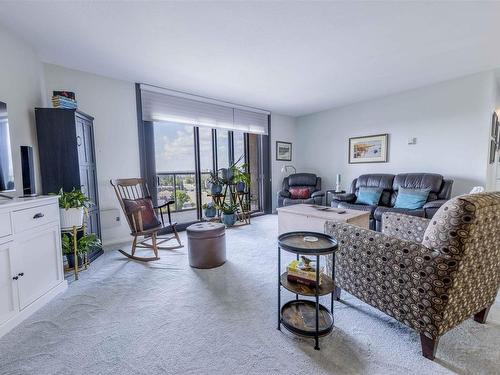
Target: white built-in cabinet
(31,265)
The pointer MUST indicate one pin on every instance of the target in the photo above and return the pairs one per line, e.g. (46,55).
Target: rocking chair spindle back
(142,217)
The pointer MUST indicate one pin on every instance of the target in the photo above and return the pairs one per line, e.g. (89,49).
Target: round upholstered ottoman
(206,245)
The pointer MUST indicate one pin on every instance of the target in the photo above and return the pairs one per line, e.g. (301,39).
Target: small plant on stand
(72,207)
(83,245)
(241,177)
(216,183)
(210,209)
(229,211)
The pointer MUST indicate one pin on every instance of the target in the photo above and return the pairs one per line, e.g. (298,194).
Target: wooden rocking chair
(142,218)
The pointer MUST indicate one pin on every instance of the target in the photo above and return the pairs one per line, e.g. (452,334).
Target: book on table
(302,272)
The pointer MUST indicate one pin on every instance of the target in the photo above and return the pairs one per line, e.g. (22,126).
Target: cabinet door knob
(38,215)
(15,278)
(20,274)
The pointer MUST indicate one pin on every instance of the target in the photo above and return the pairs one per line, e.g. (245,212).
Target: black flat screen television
(6,167)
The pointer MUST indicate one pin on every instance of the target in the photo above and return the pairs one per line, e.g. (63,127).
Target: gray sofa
(301,180)
(440,192)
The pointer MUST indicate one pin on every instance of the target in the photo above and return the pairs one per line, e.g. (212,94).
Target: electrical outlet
(412,141)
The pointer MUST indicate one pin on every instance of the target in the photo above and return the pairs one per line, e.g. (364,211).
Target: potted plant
(227,175)
(72,207)
(241,177)
(210,209)
(229,211)
(216,183)
(83,244)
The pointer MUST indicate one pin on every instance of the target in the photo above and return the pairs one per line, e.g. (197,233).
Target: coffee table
(310,217)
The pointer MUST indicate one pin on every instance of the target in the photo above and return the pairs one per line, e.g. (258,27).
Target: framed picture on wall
(368,149)
(283,151)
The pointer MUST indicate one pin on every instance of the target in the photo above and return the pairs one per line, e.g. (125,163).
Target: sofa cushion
(302,179)
(384,181)
(289,201)
(369,196)
(300,192)
(379,211)
(147,213)
(411,198)
(431,181)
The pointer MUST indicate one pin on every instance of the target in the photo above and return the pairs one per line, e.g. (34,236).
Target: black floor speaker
(28,171)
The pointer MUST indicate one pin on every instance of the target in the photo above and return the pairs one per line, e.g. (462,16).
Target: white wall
(450,120)
(283,128)
(112,104)
(21,89)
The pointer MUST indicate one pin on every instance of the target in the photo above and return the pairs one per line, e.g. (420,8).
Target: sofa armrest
(318,194)
(344,197)
(430,208)
(435,204)
(405,227)
(401,278)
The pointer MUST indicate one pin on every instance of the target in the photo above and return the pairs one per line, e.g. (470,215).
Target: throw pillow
(299,193)
(148,215)
(368,195)
(411,199)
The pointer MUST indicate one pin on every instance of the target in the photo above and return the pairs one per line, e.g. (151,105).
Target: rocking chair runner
(135,200)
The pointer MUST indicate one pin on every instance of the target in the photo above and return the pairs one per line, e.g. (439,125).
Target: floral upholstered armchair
(430,274)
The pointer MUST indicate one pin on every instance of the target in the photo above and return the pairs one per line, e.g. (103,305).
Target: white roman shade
(161,105)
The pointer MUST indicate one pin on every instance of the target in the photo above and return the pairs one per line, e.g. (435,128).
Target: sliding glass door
(175,169)
(185,156)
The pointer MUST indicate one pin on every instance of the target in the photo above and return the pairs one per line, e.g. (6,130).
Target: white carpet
(125,317)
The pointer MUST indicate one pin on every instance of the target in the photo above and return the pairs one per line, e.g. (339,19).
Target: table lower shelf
(327,286)
(299,317)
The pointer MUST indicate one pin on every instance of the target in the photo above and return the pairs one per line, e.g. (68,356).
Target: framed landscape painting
(368,149)
(283,151)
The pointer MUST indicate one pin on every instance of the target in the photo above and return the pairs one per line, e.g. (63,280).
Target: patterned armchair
(430,274)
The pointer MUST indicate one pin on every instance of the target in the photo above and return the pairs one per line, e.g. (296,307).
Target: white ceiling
(289,57)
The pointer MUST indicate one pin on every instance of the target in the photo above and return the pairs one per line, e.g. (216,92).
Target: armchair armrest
(284,194)
(401,278)
(318,194)
(405,227)
(168,203)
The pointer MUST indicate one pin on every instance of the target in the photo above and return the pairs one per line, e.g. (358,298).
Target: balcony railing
(181,187)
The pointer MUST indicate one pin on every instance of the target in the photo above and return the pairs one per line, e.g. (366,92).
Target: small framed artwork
(283,151)
(368,149)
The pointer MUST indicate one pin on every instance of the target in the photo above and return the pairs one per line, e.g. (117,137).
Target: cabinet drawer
(34,217)
(5,225)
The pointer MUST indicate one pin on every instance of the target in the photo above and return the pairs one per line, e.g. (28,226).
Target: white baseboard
(30,309)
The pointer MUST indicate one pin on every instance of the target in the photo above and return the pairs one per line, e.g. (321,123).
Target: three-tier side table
(301,316)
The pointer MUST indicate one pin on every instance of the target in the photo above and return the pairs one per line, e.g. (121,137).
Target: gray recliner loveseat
(440,192)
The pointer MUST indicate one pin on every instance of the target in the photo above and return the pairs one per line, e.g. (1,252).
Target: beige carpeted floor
(126,317)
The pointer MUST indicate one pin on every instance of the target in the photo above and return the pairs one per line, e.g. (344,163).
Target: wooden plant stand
(74,235)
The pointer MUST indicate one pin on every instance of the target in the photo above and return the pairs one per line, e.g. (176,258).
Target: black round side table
(300,316)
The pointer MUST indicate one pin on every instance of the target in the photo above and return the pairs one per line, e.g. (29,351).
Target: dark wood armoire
(67,158)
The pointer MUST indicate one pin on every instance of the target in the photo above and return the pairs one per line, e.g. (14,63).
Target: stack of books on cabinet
(64,99)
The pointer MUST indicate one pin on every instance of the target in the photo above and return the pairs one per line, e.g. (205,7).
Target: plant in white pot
(72,207)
